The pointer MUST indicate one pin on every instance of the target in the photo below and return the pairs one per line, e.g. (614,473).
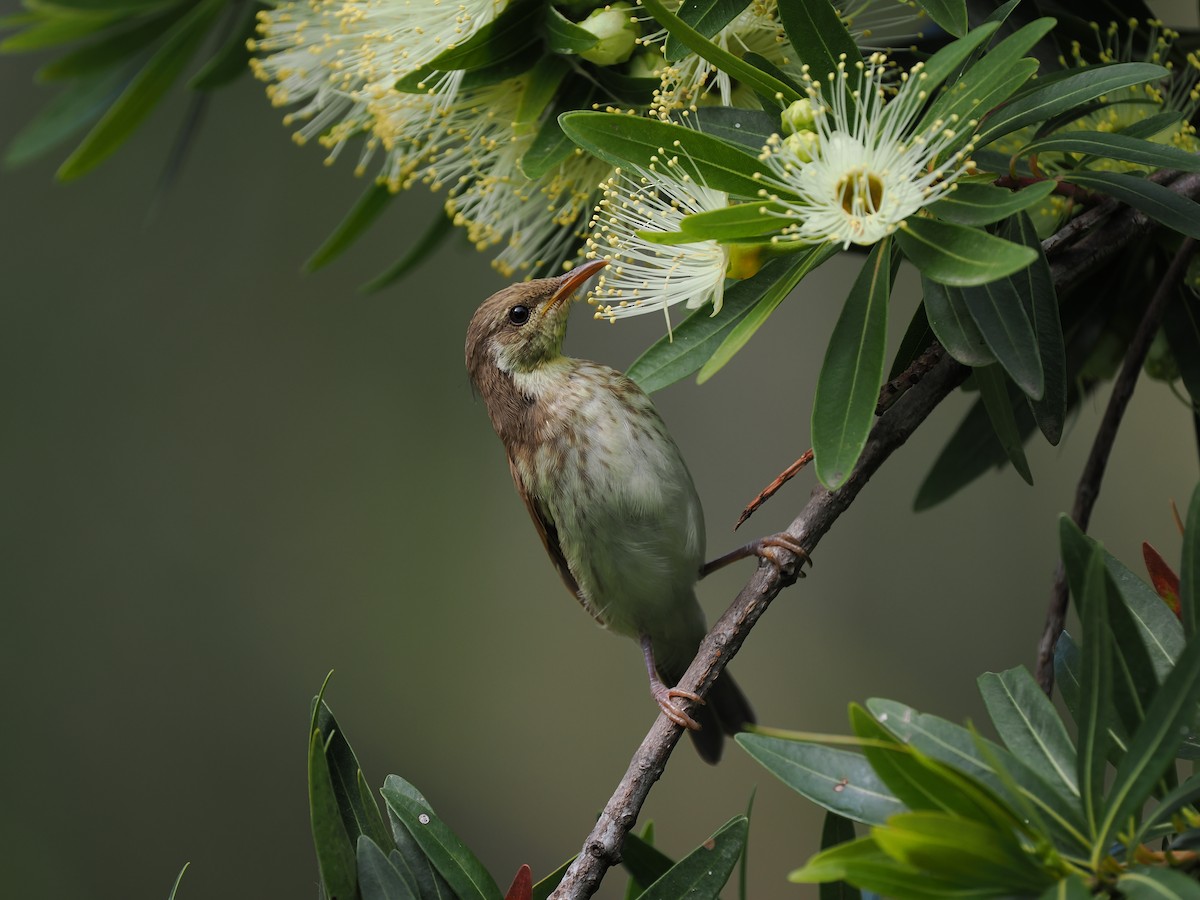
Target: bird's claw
(664,697)
(764,548)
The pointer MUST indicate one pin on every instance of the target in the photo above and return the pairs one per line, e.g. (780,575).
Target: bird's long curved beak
(571,282)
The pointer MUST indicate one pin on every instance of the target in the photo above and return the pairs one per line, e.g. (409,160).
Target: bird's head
(521,327)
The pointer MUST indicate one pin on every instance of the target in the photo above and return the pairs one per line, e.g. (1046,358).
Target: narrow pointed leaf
(838,780)
(848,386)
(864,864)
(178,882)
(76,107)
(52,32)
(1185,794)
(544,888)
(409,858)
(950,14)
(1158,202)
(505,37)
(550,146)
(837,830)
(1116,145)
(1030,727)
(1146,883)
(993,390)
(747,127)
(232,59)
(1189,571)
(1035,287)
(1048,98)
(999,310)
(818,36)
(918,337)
(1181,325)
(644,862)
(522,885)
(949,59)
(450,856)
(707,17)
(418,253)
(737,221)
(951,321)
(335,851)
(622,140)
(983,204)
(373,202)
(144,92)
(703,872)
(693,342)
(1071,888)
(1095,697)
(764,83)
(114,47)
(564,36)
(957,255)
(741,332)
(378,879)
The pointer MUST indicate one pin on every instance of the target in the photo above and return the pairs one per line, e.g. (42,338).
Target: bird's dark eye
(518,315)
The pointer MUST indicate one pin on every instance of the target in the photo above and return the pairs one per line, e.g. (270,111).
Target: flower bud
(801,116)
(647,64)
(617,31)
(804,144)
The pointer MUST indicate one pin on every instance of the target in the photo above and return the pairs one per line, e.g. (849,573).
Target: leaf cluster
(950,813)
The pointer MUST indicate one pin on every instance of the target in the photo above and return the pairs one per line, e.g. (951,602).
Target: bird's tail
(727,711)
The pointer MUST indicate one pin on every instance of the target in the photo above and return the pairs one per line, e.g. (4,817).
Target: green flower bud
(647,64)
(1160,361)
(805,144)
(799,117)
(618,34)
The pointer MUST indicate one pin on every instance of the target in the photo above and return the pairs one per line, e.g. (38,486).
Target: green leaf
(408,858)
(378,879)
(53,32)
(1067,675)
(644,862)
(837,830)
(1181,325)
(1189,571)
(693,342)
(93,9)
(967,852)
(564,36)
(1152,748)
(959,256)
(418,253)
(1095,684)
(545,81)
(232,59)
(983,204)
(623,140)
(450,856)
(1146,883)
(144,92)
(1048,98)
(76,107)
(837,780)
(917,338)
(544,888)
(951,321)
(991,80)
(999,311)
(1185,794)
(950,14)
(335,851)
(865,865)
(359,812)
(1158,202)
(703,872)
(848,386)
(550,146)
(1035,287)
(178,881)
(1115,145)
(707,17)
(950,58)
(818,36)
(373,201)
(741,332)
(1013,777)
(748,127)
(993,390)
(501,39)
(113,48)
(738,221)
(1030,727)
(1073,887)
(760,81)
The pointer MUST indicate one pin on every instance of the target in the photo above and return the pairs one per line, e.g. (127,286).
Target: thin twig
(602,848)
(1088,488)
(769,491)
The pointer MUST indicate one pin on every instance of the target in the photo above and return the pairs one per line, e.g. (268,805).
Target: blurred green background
(221,479)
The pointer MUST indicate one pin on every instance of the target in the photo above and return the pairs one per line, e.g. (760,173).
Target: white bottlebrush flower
(331,56)
(870,167)
(643,276)
(882,24)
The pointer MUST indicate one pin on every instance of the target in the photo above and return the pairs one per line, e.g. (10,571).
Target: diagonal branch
(602,848)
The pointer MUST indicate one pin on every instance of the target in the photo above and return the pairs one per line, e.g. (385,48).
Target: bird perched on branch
(607,490)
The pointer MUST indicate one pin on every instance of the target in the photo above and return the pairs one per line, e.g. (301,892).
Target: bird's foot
(767,549)
(665,696)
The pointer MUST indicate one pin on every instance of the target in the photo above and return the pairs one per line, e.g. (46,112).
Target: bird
(608,492)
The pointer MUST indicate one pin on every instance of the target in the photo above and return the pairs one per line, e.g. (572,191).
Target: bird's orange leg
(764,549)
(664,695)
